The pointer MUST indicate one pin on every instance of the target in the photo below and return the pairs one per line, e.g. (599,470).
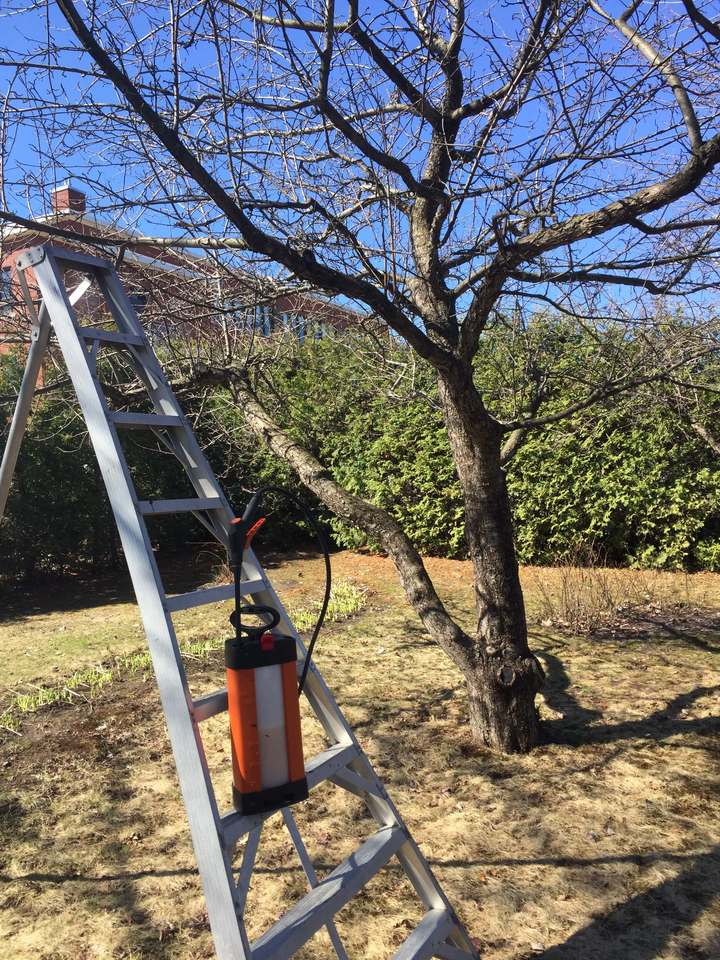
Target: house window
(264,319)
(317,329)
(139,302)
(5,285)
(235,315)
(258,318)
(299,327)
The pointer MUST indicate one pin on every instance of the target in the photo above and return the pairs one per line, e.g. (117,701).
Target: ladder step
(112,336)
(320,905)
(190,505)
(196,598)
(422,943)
(137,421)
(63,255)
(447,952)
(321,767)
(210,705)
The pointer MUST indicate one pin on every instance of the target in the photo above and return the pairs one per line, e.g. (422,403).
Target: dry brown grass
(591,600)
(602,844)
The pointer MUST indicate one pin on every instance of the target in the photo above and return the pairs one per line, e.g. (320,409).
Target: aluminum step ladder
(215,835)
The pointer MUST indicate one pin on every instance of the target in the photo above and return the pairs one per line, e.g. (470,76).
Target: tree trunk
(501,675)
(504,677)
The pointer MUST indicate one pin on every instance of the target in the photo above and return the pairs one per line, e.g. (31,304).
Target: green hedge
(637,493)
(628,481)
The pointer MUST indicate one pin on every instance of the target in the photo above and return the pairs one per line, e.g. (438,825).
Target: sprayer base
(274,798)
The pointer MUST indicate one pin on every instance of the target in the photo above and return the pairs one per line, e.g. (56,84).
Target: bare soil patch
(602,844)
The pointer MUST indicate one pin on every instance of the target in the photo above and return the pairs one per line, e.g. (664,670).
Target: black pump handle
(248,609)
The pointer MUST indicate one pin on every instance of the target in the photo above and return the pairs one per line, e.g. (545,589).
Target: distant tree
(442,166)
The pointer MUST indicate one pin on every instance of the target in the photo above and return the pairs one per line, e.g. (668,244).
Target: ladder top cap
(35,255)
(31,257)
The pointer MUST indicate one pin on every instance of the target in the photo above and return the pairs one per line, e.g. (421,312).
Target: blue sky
(93,165)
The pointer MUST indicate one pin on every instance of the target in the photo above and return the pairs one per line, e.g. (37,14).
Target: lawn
(604,843)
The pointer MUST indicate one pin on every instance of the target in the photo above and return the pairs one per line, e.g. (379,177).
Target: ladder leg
(38,346)
(193,773)
(312,878)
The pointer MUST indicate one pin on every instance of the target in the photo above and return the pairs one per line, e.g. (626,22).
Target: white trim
(88,220)
(157,264)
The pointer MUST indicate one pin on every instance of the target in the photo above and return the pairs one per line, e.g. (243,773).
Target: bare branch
(606,391)
(304,264)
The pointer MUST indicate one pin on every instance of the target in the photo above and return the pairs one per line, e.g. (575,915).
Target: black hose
(322,542)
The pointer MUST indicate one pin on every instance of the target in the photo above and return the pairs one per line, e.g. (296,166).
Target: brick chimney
(66,199)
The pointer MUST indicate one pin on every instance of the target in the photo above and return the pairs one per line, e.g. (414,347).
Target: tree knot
(506,675)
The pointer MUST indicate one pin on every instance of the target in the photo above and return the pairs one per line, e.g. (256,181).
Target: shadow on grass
(578,725)
(121,877)
(180,573)
(687,635)
(104,894)
(59,594)
(643,926)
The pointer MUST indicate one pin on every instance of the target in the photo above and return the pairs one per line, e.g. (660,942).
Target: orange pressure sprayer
(263,697)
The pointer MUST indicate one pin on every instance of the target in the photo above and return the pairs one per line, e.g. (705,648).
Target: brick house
(179,293)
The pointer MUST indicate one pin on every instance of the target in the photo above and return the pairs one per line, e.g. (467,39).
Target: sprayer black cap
(248,654)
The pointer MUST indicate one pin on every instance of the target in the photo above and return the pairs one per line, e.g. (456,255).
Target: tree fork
(501,675)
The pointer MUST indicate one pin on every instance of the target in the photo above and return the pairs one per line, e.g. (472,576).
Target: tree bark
(505,676)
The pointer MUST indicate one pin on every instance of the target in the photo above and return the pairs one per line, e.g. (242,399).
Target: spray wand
(242,531)
(262,687)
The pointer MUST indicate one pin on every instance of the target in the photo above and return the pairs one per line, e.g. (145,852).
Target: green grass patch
(346,600)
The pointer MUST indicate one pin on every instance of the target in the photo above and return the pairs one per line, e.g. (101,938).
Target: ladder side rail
(426,938)
(21,414)
(328,713)
(39,339)
(214,866)
(414,864)
(184,443)
(150,369)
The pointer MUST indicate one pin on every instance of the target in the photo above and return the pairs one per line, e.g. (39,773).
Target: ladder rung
(427,936)
(190,505)
(321,767)
(324,764)
(196,598)
(138,421)
(320,905)
(447,952)
(111,336)
(63,255)
(210,705)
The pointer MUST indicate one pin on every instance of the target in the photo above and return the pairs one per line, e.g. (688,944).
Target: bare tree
(433,162)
